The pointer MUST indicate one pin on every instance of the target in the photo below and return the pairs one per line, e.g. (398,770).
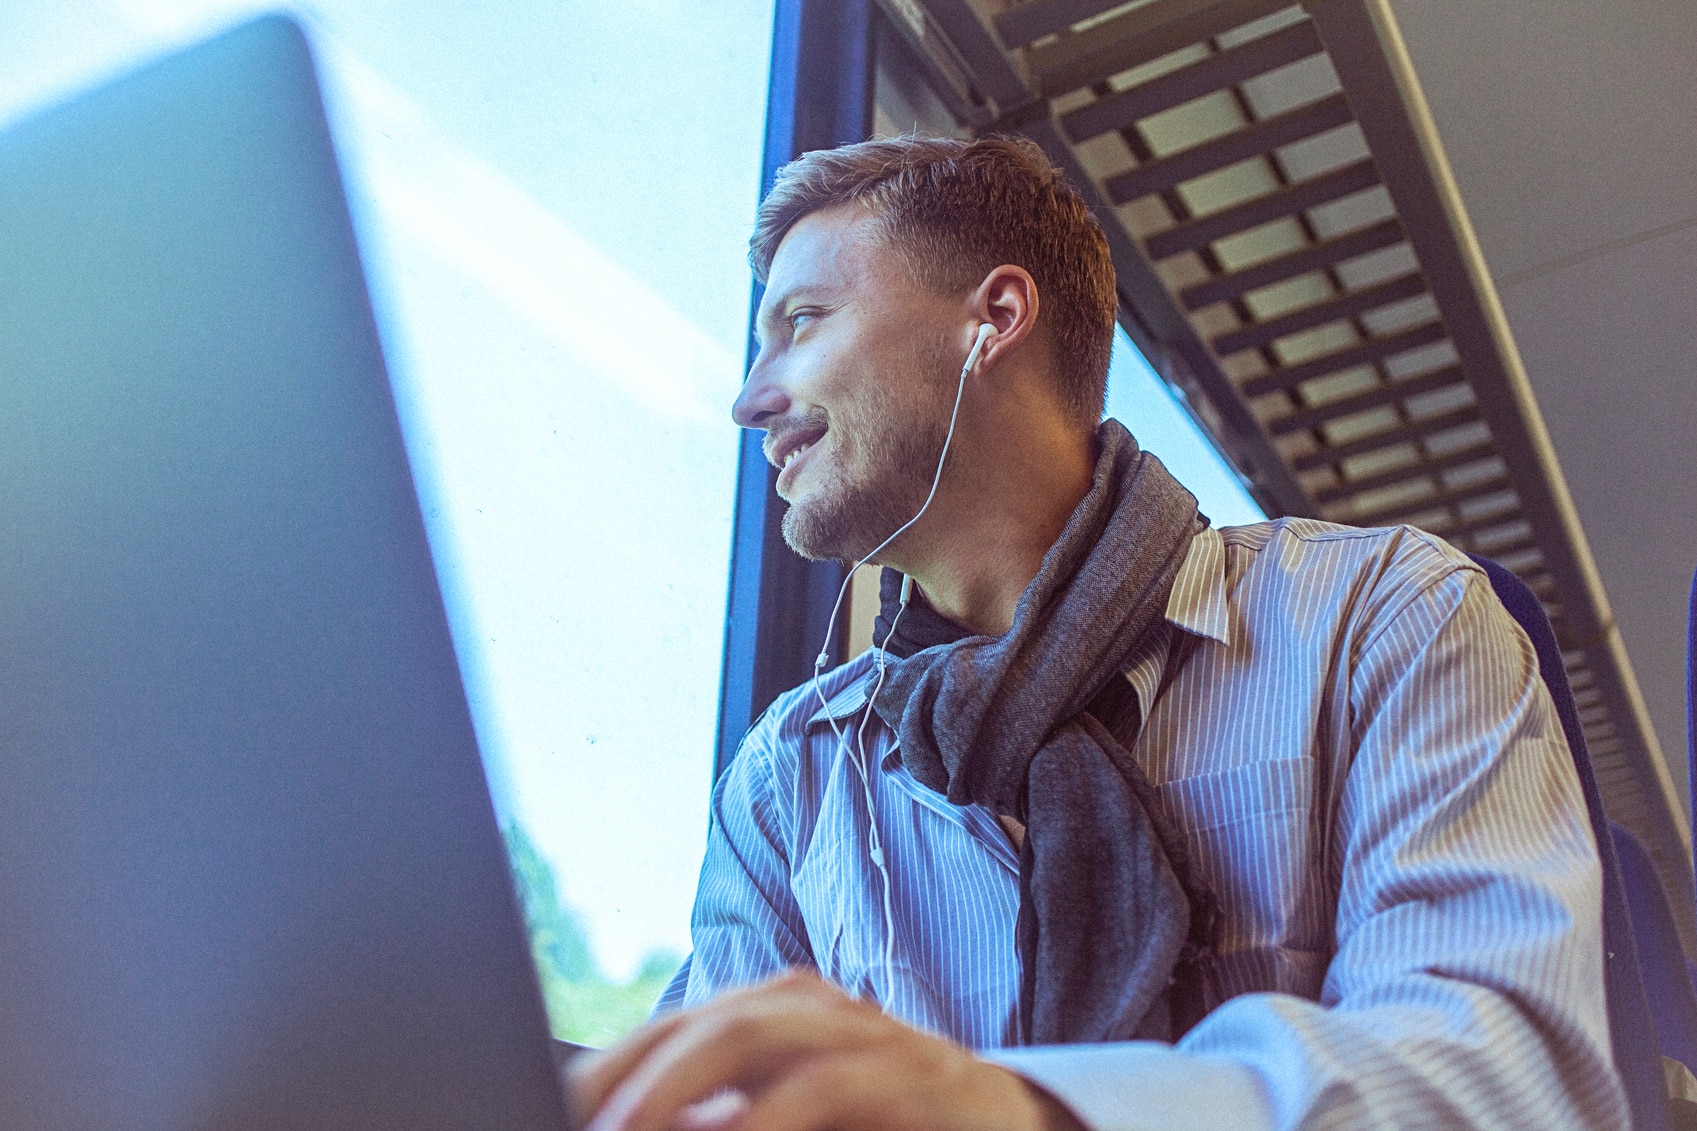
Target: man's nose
(761,399)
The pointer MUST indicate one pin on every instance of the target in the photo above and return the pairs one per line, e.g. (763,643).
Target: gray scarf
(1035,725)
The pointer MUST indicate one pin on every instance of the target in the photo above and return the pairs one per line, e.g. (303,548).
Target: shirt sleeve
(746,924)
(1466,990)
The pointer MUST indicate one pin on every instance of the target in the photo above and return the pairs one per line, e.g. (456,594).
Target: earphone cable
(875,841)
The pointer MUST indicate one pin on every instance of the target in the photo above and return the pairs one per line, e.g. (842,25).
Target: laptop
(249,868)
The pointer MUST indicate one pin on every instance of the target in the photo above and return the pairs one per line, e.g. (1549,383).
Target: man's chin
(814,540)
(834,530)
(843,525)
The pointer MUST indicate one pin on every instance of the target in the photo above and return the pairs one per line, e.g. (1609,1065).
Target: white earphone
(858,757)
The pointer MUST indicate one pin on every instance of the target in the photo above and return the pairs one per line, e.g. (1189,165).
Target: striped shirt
(1372,780)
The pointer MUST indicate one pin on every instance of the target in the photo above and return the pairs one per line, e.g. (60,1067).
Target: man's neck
(974,570)
(979,585)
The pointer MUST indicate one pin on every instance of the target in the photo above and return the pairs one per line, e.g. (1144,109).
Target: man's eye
(800,318)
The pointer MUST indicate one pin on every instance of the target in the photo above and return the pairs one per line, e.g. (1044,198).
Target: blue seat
(1632,1030)
(1667,978)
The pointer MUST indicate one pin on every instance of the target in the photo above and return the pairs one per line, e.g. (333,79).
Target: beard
(898,442)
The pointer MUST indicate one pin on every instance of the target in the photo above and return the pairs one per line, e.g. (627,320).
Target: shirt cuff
(1144,1086)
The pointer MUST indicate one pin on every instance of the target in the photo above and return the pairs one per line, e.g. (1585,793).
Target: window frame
(779,607)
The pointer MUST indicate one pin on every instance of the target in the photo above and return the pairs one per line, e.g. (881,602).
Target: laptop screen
(251,872)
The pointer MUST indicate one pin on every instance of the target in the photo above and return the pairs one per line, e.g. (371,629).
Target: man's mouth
(791,457)
(790,467)
(790,450)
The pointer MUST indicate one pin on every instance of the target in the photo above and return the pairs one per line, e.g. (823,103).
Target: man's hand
(797,1054)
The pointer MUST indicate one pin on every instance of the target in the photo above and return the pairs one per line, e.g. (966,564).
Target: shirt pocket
(1255,840)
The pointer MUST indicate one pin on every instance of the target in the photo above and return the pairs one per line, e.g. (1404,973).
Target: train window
(1153,411)
(553,202)
(553,205)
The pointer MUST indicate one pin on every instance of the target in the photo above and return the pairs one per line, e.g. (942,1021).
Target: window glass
(1147,405)
(553,201)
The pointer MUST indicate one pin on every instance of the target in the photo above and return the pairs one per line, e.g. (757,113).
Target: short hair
(953,210)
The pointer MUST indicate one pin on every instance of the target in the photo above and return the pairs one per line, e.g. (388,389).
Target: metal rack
(1295,259)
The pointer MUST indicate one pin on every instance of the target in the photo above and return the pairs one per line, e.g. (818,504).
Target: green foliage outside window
(583,1004)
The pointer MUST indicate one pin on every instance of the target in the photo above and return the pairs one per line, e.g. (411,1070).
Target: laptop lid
(250,876)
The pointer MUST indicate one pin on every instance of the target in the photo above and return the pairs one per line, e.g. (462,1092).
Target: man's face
(853,383)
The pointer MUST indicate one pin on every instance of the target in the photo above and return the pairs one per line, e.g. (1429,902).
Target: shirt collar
(1198,605)
(850,697)
(1198,602)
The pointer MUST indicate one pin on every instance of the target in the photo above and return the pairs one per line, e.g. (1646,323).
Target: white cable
(877,840)
(985,329)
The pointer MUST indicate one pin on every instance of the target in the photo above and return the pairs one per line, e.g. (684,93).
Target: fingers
(797,1054)
(703,1055)
(919,1085)
(593,1076)
(743,1040)
(720,1113)
(839,1093)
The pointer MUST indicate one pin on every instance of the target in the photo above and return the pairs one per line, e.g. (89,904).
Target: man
(1292,796)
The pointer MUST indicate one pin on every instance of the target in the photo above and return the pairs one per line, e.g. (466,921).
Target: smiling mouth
(791,457)
(790,444)
(793,462)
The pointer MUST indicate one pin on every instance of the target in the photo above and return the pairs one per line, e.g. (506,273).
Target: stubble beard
(850,516)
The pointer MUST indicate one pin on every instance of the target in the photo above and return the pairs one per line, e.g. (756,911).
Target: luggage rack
(1295,260)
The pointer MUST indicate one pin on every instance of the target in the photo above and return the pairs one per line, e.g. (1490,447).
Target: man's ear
(1006,300)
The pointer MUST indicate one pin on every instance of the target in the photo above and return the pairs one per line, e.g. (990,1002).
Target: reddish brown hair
(953,210)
